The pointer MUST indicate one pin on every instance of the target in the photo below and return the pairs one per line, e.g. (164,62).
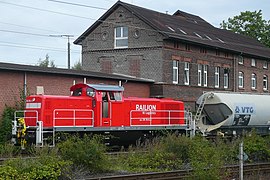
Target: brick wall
(12,83)
(150,55)
(142,59)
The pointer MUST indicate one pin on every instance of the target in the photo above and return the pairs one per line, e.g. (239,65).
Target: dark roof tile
(38,69)
(191,24)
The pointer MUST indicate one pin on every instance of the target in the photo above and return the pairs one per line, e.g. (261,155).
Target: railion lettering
(146,107)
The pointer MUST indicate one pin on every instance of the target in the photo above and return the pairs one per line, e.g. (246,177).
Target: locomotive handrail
(28,117)
(150,115)
(73,117)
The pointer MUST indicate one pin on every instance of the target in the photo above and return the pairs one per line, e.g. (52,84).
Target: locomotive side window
(90,92)
(115,96)
(77,92)
(105,105)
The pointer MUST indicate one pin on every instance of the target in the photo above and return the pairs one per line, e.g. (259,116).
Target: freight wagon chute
(232,113)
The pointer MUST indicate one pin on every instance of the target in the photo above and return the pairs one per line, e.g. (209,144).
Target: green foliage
(256,147)
(86,151)
(77,66)
(205,159)
(154,160)
(8,172)
(251,24)
(178,145)
(46,62)
(43,167)
(6,124)
(8,150)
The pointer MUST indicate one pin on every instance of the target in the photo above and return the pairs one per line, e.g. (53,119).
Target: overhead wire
(76,4)
(109,22)
(32,46)
(30,27)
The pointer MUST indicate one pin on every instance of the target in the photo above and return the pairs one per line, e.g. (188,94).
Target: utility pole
(241,161)
(68,45)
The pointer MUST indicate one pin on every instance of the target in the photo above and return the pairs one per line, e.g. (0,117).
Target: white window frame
(186,73)
(175,71)
(253,81)
(205,72)
(240,79)
(217,72)
(199,75)
(240,60)
(265,65)
(265,82)
(121,37)
(226,80)
(253,62)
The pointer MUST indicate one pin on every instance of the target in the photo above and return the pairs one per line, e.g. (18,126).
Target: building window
(187,47)
(203,50)
(265,65)
(186,73)
(217,52)
(217,70)
(175,72)
(240,60)
(265,82)
(121,37)
(253,62)
(205,69)
(199,75)
(226,78)
(176,45)
(253,81)
(240,79)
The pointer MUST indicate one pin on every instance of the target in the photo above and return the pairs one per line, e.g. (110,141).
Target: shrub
(6,124)
(8,150)
(256,147)
(205,159)
(86,151)
(44,167)
(178,145)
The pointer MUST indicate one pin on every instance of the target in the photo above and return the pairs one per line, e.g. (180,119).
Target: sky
(31,29)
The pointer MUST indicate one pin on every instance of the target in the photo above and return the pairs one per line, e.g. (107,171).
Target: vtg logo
(244,109)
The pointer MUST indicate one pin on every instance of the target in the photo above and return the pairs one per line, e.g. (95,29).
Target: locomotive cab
(104,99)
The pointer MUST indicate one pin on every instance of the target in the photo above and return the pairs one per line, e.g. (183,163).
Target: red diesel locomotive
(96,108)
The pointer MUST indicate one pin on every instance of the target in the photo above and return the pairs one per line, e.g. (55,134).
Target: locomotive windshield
(77,92)
(115,96)
(90,92)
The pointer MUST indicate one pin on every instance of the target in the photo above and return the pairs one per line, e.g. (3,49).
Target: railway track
(250,172)
(233,173)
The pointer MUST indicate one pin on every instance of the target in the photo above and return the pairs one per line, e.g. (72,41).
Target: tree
(77,65)
(46,62)
(251,24)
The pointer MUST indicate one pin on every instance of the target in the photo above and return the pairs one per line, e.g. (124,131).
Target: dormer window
(182,31)
(198,35)
(220,40)
(121,37)
(170,28)
(208,37)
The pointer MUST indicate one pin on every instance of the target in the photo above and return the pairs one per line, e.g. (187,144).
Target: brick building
(183,53)
(15,79)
